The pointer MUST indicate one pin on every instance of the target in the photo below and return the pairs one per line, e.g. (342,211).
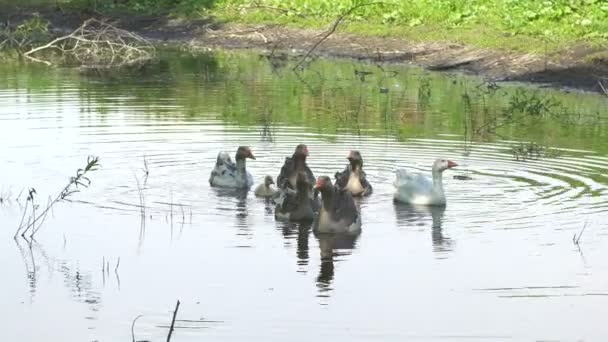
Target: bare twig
(173,322)
(577,239)
(603,87)
(333,28)
(100,45)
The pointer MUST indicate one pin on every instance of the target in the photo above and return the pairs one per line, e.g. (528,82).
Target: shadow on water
(411,215)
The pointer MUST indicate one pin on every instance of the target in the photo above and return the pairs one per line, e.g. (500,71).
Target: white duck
(415,188)
(227,174)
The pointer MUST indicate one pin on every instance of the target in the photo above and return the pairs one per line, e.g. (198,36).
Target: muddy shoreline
(579,68)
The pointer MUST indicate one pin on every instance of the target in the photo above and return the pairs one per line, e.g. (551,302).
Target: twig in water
(117,264)
(576,239)
(333,28)
(133,327)
(173,321)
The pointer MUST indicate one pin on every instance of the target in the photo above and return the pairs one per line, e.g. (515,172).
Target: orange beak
(306,151)
(451,164)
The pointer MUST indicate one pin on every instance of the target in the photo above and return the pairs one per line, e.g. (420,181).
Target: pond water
(498,262)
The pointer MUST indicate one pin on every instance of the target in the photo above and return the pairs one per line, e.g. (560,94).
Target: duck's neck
(355,166)
(299,162)
(241,165)
(438,181)
(328,198)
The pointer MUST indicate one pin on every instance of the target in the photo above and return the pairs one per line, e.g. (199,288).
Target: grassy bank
(519,25)
(516,25)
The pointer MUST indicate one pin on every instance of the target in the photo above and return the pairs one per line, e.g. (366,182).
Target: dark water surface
(497,263)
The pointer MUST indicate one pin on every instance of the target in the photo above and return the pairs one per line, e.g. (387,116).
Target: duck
(296,205)
(353,177)
(266,189)
(338,212)
(293,166)
(227,174)
(415,188)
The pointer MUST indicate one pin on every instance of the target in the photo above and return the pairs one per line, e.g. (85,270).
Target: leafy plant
(80,180)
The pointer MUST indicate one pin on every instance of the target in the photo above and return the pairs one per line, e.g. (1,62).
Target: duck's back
(415,188)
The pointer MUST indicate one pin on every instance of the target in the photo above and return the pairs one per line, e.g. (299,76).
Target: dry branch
(96,44)
(333,29)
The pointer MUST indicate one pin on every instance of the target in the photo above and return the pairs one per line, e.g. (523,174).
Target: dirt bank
(579,68)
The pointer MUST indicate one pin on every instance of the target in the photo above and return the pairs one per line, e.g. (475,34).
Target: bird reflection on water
(411,215)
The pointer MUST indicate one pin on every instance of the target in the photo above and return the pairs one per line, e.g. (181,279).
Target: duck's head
(268,180)
(244,152)
(323,184)
(301,151)
(441,165)
(355,159)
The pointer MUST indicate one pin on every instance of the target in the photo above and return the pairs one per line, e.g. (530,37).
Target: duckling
(266,189)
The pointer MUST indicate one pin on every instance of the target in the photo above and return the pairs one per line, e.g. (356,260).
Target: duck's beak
(250,155)
(306,151)
(451,164)
(318,184)
(350,156)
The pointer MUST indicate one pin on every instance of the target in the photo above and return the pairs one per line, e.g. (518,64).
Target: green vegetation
(524,25)
(518,25)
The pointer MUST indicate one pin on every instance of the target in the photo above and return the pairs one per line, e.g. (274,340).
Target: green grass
(536,26)
(516,25)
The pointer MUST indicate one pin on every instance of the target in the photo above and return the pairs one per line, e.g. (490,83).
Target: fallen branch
(100,45)
(173,322)
(333,28)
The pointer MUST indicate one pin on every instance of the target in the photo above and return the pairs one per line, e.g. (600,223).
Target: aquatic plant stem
(133,327)
(173,321)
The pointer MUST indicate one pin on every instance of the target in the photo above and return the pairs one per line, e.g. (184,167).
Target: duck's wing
(345,207)
(225,163)
(224,167)
(286,170)
(412,182)
(287,200)
(365,184)
(342,177)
